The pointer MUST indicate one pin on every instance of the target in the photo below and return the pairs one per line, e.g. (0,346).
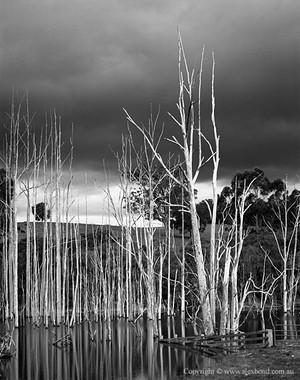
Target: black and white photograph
(149,189)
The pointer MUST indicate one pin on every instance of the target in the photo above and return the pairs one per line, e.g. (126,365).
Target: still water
(83,352)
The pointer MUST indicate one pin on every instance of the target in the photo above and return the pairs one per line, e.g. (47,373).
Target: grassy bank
(279,362)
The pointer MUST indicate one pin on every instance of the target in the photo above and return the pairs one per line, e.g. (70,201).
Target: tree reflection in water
(84,353)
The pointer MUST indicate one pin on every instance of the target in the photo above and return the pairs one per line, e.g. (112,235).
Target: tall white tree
(191,136)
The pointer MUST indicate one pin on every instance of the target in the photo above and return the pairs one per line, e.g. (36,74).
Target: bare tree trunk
(203,289)
(13,170)
(215,157)
(76,287)
(182,306)
(58,168)
(128,270)
(169,272)
(293,278)
(188,126)
(160,281)
(287,254)
(225,315)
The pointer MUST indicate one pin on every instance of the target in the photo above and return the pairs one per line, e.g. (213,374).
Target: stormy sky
(87,59)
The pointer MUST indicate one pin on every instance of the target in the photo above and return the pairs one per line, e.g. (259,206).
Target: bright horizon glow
(88,203)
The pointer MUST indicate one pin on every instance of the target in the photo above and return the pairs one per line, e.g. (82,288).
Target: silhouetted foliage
(168,198)
(263,198)
(41,212)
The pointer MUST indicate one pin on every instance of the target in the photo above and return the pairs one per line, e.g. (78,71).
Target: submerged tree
(189,123)
(6,188)
(285,230)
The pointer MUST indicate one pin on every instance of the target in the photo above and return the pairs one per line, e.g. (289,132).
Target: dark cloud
(89,59)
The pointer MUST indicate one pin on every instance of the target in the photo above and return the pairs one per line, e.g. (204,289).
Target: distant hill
(159,234)
(83,228)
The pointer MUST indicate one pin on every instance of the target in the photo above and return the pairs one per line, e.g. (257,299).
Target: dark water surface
(83,352)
